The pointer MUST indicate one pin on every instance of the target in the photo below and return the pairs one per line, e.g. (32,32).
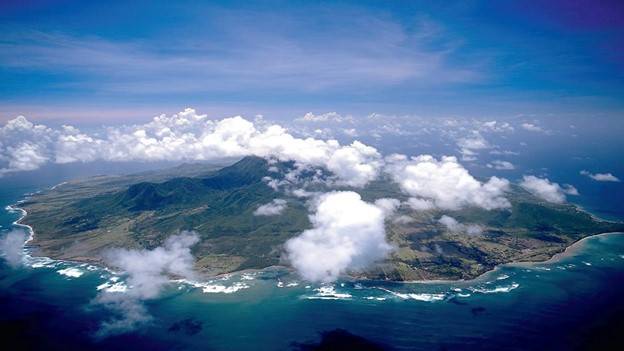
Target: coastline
(567,251)
(18,222)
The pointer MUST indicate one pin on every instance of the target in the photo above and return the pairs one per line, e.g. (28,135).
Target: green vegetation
(81,219)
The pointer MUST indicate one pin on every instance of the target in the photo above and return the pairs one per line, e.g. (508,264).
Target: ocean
(570,303)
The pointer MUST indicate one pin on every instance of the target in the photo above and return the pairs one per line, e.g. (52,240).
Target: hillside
(81,219)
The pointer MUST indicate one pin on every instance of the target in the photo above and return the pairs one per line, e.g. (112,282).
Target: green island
(80,220)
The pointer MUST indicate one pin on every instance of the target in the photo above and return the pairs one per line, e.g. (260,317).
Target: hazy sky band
(65,60)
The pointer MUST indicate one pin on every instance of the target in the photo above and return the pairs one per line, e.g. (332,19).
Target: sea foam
(328,292)
(211,287)
(498,289)
(425,297)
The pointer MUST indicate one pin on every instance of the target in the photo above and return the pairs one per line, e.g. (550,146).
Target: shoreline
(18,222)
(567,251)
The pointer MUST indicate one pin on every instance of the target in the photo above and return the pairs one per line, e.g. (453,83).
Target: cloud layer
(183,136)
(348,234)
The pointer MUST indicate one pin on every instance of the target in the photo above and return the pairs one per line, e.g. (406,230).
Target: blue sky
(94,63)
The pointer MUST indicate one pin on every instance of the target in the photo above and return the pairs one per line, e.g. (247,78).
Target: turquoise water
(570,303)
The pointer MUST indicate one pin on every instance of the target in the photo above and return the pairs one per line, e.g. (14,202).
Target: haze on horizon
(94,64)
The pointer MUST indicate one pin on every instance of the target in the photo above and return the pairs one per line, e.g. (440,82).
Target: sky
(114,62)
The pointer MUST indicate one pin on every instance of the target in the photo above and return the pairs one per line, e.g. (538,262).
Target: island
(80,220)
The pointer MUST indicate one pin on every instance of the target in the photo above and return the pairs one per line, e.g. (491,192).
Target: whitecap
(376,298)
(498,289)
(502,277)
(211,288)
(70,272)
(425,297)
(217,288)
(328,292)
(542,268)
(225,277)
(587,263)
(280,284)
(247,276)
(41,262)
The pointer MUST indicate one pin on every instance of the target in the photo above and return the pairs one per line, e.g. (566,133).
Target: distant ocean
(574,303)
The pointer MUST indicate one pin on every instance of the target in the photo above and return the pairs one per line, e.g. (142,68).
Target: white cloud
(23,145)
(469,146)
(445,183)
(183,136)
(355,164)
(348,234)
(501,165)
(419,204)
(273,208)
(601,177)
(147,271)
(453,226)
(570,189)
(12,247)
(547,190)
(325,117)
(532,127)
(495,126)
(192,136)
(388,205)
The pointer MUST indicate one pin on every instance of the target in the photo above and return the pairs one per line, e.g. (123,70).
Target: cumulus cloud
(23,145)
(600,177)
(355,164)
(547,190)
(183,136)
(348,234)
(453,226)
(147,273)
(444,184)
(501,165)
(273,208)
(12,247)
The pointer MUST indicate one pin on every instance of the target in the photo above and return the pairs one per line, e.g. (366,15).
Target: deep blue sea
(574,303)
